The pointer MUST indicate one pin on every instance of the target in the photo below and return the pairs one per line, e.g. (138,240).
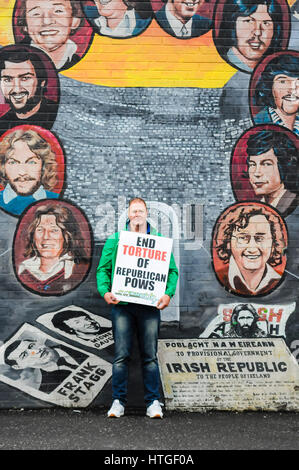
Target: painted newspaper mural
(192,106)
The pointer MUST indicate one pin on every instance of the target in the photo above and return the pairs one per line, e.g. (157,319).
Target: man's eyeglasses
(245,239)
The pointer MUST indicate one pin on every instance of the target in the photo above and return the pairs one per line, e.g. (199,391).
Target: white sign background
(133,291)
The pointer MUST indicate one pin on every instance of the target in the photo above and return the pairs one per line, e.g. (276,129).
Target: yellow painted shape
(152,59)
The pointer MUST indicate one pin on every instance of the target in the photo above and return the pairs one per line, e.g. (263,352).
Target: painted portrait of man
(182,19)
(275,91)
(249,244)
(24,85)
(273,169)
(79,324)
(243,323)
(46,368)
(265,161)
(50,25)
(28,169)
(56,255)
(42,366)
(118,18)
(250,29)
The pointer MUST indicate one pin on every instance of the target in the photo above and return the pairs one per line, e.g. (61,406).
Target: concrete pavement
(64,429)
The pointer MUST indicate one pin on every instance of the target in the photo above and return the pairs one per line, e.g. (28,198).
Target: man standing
(28,170)
(23,81)
(272,168)
(126,316)
(180,18)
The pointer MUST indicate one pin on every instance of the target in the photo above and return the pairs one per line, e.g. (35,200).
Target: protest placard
(141,268)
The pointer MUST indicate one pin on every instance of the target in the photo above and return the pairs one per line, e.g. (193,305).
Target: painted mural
(29,86)
(249,244)
(246,31)
(51,370)
(32,167)
(52,248)
(264,167)
(192,106)
(274,90)
(66,42)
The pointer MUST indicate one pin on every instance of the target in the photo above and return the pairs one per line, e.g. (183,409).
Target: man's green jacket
(105,269)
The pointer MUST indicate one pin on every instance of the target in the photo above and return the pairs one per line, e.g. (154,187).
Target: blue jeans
(145,320)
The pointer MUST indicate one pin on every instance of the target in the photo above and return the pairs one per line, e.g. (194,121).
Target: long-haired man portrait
(28,170)
(249,244)
(276,92)
(249,30)
(57,254)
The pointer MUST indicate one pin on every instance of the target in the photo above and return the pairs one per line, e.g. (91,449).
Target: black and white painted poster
(51,370)
(80,325)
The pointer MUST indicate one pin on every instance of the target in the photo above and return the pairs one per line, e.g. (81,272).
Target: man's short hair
(284,149)
(283,64)
(73,239)
(19,54)
(40,147)
(76,13)
(137,199)
(60,318)
(233,9)
(239,218)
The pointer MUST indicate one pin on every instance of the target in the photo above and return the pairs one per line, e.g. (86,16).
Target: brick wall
(168,119)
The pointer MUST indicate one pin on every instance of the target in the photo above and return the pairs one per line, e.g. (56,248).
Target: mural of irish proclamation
(190,109)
